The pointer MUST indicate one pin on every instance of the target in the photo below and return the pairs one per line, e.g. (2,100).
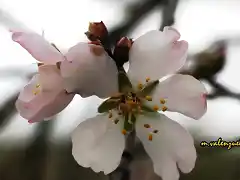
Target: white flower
(99,142)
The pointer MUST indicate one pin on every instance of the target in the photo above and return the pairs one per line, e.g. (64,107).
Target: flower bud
(121,51)
(98,29)
(125,42)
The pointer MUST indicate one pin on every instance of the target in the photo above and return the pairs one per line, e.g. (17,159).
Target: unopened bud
(98,29)
(125,42)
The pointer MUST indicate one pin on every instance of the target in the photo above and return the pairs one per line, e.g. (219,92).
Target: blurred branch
(7,110)
(36,155)
(139,10)
(134,14)
(168,13)
(207,65)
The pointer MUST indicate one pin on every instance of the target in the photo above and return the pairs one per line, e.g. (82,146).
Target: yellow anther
(155,108)
(155,131)
(140,86)
(37,85)
(150,137)
(162,101)
(164,108)
(147,79)
(124,132)
(110,115)
(35,92)
(149,98)
(147,126)
(130,102)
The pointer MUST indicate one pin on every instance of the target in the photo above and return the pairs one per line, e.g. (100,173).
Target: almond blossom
(140,104)
(49,92)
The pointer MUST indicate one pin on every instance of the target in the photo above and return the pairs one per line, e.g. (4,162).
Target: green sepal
(107,105)
(127,126)
(124,83)
(147,108)
(149,88)
(133,118)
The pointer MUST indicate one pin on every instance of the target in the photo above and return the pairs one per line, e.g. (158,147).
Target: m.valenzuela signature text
(221,143)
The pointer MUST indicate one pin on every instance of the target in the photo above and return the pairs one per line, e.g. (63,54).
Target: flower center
(132,103)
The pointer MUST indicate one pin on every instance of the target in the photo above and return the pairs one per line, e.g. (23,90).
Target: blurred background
(43,151)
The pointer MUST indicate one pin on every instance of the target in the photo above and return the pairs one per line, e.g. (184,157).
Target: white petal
(156,54)
(183,94)
(172,146)
(98,143)
(88,73)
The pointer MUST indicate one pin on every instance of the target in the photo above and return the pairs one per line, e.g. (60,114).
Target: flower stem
(123,172)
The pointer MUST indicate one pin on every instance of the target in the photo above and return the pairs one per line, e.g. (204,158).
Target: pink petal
(50,78)
(183,94)
(38,47)
(44,105)
(157,54)
(88,71)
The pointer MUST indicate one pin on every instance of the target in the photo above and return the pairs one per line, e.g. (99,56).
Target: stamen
(147,126)
(162,101)
(155,108)
(37,85)
(150,137)
(164,108)
(147,79)
(140,86)
(155,131)
(130,102)
(149,98)
(124,132)
(35,92)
